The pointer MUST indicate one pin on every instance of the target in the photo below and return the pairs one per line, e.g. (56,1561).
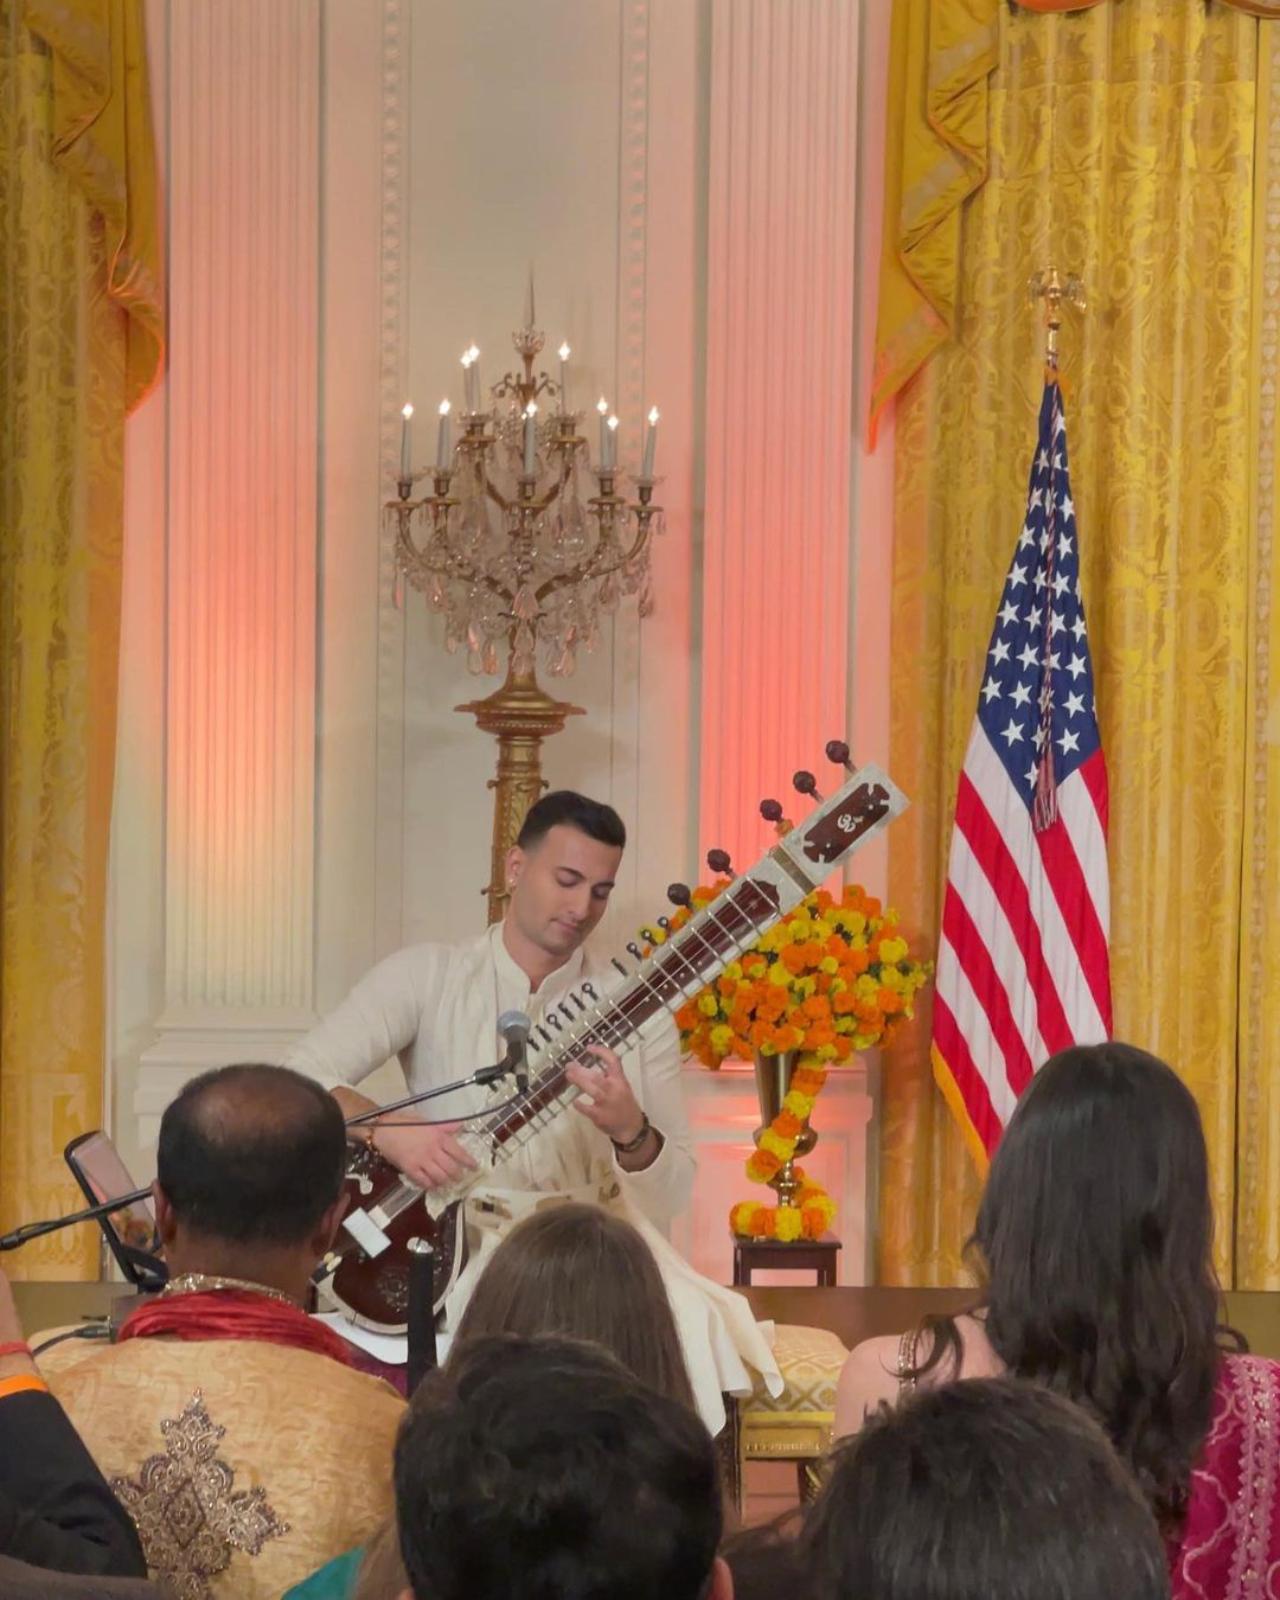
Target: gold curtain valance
(103,140)
(942,55)
(1256,8)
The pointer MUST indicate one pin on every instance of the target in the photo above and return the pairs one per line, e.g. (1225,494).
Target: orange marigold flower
(787,1125)
(761,1224)
(813,1221)
(890,1001)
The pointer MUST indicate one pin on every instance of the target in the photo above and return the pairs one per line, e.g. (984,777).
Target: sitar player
(624,1143)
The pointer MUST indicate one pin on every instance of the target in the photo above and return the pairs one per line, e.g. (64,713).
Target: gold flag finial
(1055,288)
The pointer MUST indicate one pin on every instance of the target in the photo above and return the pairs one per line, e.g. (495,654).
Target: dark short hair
(562,808)
(253,1154)
(540,1469)
(987,1489)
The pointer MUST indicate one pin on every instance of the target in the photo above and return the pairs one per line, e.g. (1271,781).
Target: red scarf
(233,1314)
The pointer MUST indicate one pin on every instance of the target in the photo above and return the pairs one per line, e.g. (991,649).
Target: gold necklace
(201,1282)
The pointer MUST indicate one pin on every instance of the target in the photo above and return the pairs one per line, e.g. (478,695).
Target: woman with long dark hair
(1093,1251)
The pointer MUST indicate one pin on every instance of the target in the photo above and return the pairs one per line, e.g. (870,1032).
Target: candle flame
(564,352)
(613,422)
(602,406)
(653,416)
(531,410)
(406,411)
(474,352)
(444,408)
(467,358)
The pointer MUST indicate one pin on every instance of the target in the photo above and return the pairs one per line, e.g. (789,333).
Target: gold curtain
(81,322)
(1120,146)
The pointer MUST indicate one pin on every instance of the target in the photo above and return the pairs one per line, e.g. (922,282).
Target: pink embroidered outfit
(1229,1547)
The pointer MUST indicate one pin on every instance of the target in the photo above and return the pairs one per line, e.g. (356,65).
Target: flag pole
(1055,289)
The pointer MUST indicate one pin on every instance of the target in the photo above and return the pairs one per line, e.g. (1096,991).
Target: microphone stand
(481,1078)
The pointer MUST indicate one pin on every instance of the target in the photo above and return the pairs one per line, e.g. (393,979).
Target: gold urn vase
(773,1081)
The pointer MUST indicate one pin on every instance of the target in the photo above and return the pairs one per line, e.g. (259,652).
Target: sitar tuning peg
(805,783)
(718,861)
(838,752)
(679,894)
(771,811)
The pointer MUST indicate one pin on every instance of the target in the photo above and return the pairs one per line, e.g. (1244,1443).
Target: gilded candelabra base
(520,715)
(773,1082)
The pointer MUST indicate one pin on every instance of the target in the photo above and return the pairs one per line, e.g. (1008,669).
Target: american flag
(1023,966)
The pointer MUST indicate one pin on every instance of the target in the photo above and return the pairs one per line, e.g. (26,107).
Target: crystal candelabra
(508,548)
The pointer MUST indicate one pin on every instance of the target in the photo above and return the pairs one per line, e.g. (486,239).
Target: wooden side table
(776,1255)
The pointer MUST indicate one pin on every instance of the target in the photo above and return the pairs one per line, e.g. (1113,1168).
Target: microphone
(514,1027)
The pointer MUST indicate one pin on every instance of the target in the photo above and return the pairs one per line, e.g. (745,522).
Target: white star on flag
(1012,733)
(990,690)
(1021,695)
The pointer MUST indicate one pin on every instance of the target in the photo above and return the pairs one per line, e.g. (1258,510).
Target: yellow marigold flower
(838,985)
(788,1225)
(776,1146)
(891,978)
(866,987)
(823,929)
(854,922)
(734,971)
(805,986)
(830,966)
(778,974)
(799,1105)
(893,949)
(826,1052)
(707,1005)
(721,1037)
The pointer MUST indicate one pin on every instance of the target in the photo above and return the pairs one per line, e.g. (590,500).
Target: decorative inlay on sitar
(367,1272)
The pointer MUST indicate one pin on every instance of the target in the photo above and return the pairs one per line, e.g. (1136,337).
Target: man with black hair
(624,1143)
(541,1467)
(228,1421)
(985,1489)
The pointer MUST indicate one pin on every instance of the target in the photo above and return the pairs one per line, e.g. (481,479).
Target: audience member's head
(1094,1238)
(249,1174)
(989,1489)
(540,1469)
(578,1271)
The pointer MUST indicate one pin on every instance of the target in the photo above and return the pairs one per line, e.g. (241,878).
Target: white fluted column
(241,533)
(780,377)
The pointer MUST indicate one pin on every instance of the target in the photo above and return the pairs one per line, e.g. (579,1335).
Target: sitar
(367,1272)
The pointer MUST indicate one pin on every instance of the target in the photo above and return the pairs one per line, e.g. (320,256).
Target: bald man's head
(252,1155)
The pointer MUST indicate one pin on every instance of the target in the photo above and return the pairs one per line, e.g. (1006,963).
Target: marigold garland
(831,978)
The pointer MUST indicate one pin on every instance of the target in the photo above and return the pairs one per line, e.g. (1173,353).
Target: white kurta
(436,1008)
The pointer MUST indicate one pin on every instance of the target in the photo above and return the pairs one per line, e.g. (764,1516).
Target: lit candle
(442,439)
(530,437)
(468,396)
(474,369)
(564,377)
(602,406)
(650,444)
(612,460)
(406,471)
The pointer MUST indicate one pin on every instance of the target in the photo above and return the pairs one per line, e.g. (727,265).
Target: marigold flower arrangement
(831,978)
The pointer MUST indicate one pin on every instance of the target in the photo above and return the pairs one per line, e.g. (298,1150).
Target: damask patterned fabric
(1121,147)
(80,269)
(244,1465)
(1229,1548)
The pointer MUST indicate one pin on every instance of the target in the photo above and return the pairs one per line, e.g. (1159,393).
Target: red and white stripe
(1022,968)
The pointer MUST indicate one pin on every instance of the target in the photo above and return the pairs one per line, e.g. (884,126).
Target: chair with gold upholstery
(796,1425)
